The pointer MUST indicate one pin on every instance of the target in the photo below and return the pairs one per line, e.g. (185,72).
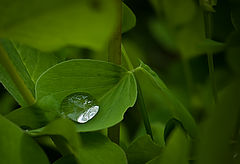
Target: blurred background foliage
(170,37)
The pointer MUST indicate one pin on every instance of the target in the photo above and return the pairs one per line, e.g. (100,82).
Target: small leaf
(176,108)
(210,46)
(17,147)
(49,25)
(176,150)
(142,150)
(128,18)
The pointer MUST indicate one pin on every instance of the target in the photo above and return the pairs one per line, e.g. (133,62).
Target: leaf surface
(176,108)
(17,147)
(49,25)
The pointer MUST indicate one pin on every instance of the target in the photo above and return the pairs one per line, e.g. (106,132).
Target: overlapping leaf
(175,107)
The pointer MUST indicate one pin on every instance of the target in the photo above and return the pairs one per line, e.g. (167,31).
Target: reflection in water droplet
(80,107)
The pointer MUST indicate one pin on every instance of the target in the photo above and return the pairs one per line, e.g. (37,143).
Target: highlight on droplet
(79,107)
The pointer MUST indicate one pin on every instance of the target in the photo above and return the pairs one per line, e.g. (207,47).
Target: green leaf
(219,128)
(38,114)
(49,25)
(30,64)
(181,14)
(128,18)
(113,87)
(142,150)
(35,61)
(176,108)
(210,46)
(176,150)
(17,147)
(98,149)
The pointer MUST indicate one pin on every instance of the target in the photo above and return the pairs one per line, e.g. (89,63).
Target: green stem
(144,113)
(114,56)
(17,80)
(208,32)
(128,61)
(140,99)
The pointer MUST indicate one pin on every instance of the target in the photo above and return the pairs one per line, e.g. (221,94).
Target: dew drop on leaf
(80,107)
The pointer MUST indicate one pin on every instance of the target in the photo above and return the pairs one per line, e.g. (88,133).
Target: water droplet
(80,107)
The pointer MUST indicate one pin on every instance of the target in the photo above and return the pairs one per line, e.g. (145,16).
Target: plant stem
(208,32)
(143,110)
(114,56)
(140,99)
(17,80)
(129,64)
(114,46)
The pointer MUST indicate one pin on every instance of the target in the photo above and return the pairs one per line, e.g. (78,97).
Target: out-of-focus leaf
(190,36)
(179,12)
(17,147)
(214,145)
(157,5)
(49,25)
(233,49)
(176,108)
(128,18)
(30,64)
(163,34)
(235,16)
(142,150)
(176,150)
(210,46)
